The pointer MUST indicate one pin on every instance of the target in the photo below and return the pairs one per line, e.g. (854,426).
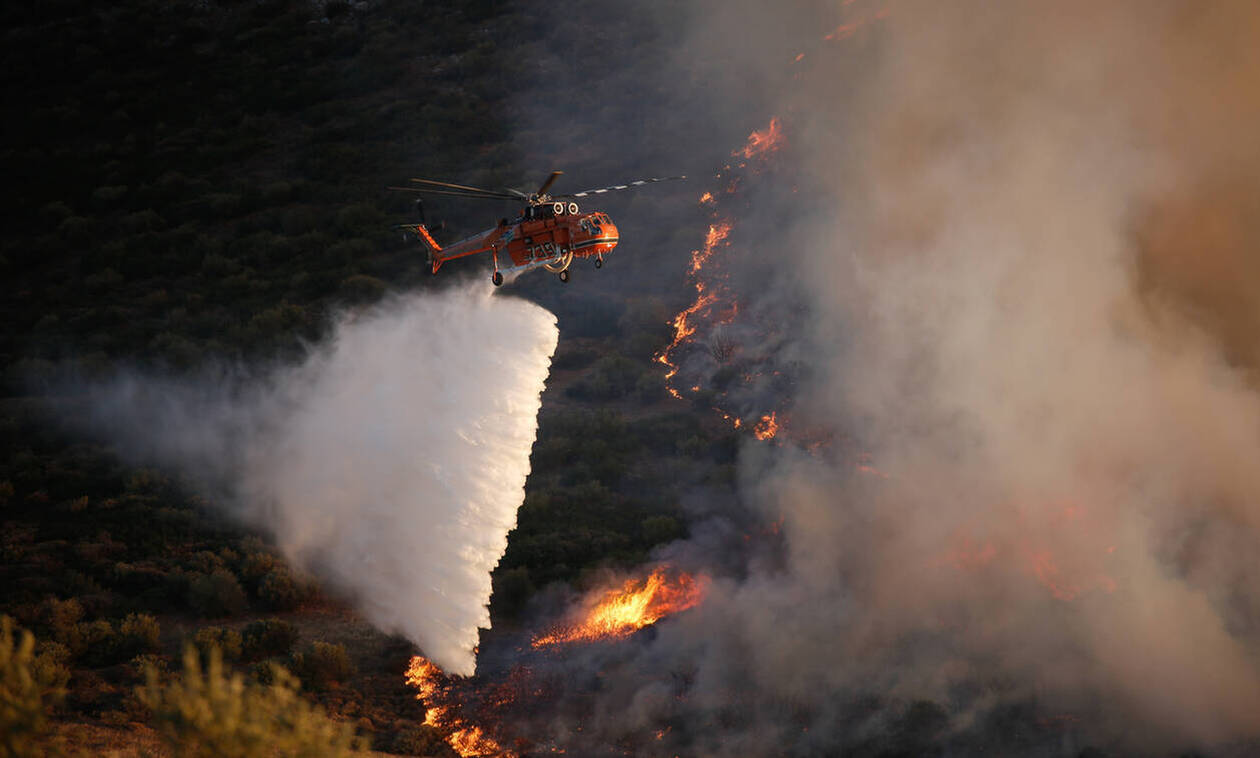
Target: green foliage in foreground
(29,685)
(216,713)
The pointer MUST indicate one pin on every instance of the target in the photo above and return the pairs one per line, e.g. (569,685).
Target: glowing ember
(766,428)
(1037,551)
(763,142)
(843,31)
(706,198)
(636,604)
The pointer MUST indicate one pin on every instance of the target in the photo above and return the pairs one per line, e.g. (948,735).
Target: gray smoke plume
(390,463)
(1023,277)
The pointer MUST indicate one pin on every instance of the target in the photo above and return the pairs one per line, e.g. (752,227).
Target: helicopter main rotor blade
(547,184)
(618,187)
(465,187)
(487,195)
(516,193)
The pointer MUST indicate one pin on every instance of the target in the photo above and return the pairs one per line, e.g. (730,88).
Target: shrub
(138,633)
(142,663)
(279,591)
(62,618)
(216,594)
(420,740)
(322,665)
(29,686)
(268,637)
(97,643)
(256,567)
(227,641)
(215,712)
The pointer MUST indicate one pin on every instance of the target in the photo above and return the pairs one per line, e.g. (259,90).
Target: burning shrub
(214,712)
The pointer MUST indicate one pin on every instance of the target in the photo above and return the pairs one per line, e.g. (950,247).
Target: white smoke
(390,463)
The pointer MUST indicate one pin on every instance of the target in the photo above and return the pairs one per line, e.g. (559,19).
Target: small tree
(29,685)
(214,712)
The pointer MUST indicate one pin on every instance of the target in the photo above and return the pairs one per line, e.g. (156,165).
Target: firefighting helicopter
(548,233)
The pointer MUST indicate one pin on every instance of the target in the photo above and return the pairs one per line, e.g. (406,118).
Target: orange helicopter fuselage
(543,236)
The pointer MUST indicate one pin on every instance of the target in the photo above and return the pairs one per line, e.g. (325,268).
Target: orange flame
(717,234)
(682,330)
(636,604)
(467,740)
(763,142)
(766,428)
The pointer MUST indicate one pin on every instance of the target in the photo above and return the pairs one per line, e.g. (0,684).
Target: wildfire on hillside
(472,714)
(766,428)
(636,604)
(444,710)
(764,142)
(715,304)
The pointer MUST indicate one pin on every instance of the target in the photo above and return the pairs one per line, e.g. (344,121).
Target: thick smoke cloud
(1028,285)
(390,463)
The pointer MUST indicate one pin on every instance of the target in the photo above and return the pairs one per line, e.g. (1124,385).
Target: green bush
(322,665)
(266,638)
(216,594)
(215,712)
(29,686)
